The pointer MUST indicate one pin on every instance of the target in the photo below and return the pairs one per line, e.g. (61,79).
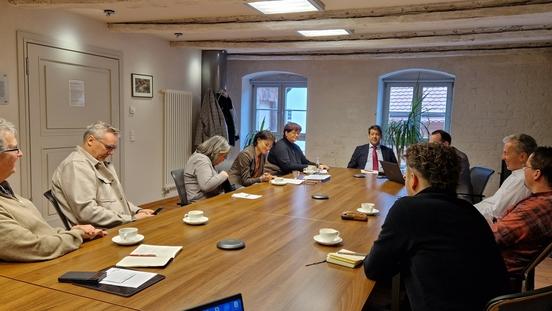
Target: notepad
(243,195)
(350,261)
(126,278)
(150,256)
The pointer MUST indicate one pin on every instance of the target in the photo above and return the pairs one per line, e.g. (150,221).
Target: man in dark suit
(464,189)
(364,156)
(444,266)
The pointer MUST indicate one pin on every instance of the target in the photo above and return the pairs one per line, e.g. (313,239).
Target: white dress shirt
(510,193)
(369,162)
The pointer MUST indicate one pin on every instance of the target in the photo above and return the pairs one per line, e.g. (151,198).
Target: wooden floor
(543,273)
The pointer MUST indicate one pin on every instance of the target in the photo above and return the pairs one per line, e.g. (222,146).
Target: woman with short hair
(287,155)
(201,178)
(248,168)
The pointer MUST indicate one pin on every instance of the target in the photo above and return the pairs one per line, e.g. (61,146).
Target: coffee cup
(367,207)
(128,234)
(194,215)
(329,234)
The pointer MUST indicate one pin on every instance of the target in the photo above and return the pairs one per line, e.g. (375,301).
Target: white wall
(173,68)
(494,96)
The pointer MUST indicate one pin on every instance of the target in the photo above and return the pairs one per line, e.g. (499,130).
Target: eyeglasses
(15,149)
(106,146)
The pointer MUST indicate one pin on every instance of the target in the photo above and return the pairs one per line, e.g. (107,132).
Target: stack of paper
(343,259)
(317,177)
(150,256)
(243,195)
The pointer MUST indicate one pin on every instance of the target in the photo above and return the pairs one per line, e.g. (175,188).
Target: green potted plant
(251,135)
(403,133)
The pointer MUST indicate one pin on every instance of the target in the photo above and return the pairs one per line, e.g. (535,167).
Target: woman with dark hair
(248,168)
(287,155)
(200,176)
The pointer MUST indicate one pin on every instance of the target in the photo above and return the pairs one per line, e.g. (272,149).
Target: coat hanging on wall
(225,104)
(211,120)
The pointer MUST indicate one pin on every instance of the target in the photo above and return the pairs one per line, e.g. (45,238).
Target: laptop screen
(232,303)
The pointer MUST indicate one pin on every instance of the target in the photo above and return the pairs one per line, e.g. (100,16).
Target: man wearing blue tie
(367,156)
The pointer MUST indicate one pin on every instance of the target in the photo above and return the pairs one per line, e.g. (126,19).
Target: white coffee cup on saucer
(194,215)
(328,234)
(367,207)
(128,234)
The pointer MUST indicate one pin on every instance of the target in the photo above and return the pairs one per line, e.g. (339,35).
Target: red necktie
(375,166)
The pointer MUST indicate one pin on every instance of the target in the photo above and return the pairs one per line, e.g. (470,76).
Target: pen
(143,255)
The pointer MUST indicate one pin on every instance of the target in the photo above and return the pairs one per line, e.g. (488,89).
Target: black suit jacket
(358,160)
(443,248)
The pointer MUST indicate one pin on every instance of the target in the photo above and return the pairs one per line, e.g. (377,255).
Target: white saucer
(324,242)
(118,240)
(199,221)
(373,212)
(276,183)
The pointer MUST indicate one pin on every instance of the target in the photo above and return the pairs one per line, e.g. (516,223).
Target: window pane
(301,144)
(267,97)
(434,123)
(299,117)
(400,98)
(270,119)
(296,98)
(435,100)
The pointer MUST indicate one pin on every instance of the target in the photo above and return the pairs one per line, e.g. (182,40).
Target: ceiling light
(322,33)
(287,6)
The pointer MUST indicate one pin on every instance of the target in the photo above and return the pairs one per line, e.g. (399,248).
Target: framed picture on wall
(142,85)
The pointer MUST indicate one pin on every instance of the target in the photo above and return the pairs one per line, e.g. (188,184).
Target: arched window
(278,98)
(396,90)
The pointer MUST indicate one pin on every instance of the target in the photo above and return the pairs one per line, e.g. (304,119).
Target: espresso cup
(367,207)
(329,234)
(194,215)
(128,234)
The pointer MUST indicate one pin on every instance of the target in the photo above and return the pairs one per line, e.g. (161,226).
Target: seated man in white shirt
(517,149)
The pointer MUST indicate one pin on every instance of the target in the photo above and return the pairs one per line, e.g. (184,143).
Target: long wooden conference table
(271,272)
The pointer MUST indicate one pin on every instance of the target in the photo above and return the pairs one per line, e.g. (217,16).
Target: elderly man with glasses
(24,234)
(87,186)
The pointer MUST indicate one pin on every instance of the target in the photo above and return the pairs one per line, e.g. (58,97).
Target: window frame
(281,111)
(390,82)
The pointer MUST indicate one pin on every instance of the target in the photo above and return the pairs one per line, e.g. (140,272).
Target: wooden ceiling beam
(543,9)
(416,42)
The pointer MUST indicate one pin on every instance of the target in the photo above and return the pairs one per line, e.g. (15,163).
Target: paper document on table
(369,172)
(126,278)
(345,258)
(293,181)
(243,195)
(317,177)
(149,256)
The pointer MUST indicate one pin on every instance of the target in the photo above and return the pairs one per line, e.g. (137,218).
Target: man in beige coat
(87,186)
(24,234)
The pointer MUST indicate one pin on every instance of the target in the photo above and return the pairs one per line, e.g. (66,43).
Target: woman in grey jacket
(200,176)
(248,168)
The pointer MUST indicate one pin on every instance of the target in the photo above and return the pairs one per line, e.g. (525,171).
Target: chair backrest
(538,300)
(479,178)
(48,195)
(178,176)
(528,282)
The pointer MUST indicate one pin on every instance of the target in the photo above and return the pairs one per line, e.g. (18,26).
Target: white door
(67,91)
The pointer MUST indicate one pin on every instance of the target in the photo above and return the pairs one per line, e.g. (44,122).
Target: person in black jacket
(364,158)
(287,155)
(441,245)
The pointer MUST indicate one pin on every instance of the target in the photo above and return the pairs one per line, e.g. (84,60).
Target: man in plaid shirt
(526,229)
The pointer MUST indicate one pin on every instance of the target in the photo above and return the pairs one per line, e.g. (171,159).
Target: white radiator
(177,136)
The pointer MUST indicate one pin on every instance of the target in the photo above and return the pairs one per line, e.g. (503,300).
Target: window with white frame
(399,89)
(277,100)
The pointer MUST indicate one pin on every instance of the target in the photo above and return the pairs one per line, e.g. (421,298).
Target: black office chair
(537,300)
(48,195)
(178,176)
(479,178)
(526,282)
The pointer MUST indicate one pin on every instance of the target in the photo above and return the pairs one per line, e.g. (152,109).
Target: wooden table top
(17,295)
(270,272)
